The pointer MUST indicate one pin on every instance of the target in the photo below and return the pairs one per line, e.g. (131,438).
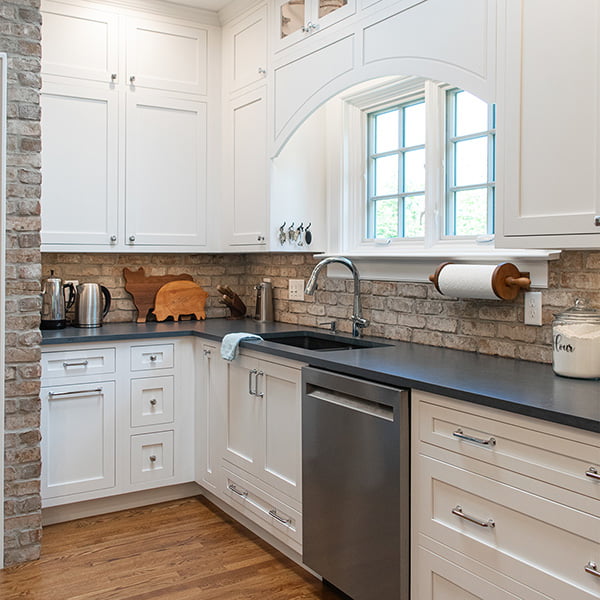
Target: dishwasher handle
(369,407)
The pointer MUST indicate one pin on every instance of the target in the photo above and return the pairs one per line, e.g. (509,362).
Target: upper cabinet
(126,104)
(549,125)
(297,20)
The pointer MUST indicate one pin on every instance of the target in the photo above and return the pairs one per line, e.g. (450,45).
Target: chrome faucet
(358,322)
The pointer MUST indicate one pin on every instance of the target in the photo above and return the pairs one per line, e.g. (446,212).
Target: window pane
(386,131)
(414,125)
(471,212)
(386,175)
(414,171)
(328,6)
(471,114)
(414,209)
(471,165)
(386,218)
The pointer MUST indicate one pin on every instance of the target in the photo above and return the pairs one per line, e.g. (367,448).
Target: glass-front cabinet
(299,19)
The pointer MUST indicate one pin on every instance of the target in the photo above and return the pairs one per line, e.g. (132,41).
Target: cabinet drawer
(150,358)
(541,451)
(276,517)
(151,401)
(541,543)
(78,363)
(152,457)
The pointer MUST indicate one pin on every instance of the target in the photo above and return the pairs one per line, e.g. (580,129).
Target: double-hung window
(430,168)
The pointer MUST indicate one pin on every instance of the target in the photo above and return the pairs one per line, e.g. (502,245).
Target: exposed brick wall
(401,311)
(20,38)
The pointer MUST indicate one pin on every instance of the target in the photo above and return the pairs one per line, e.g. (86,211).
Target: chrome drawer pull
(458,511)
(593,473)
(233,488)
(592,569)
(75,392)
(251,391)
(459,434)
(256,392)
(274,514)
(82,363)
(153,357)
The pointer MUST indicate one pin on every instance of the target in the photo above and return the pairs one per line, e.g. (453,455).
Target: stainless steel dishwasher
(355,481)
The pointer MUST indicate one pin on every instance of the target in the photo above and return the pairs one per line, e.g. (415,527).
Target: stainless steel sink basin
(312,340)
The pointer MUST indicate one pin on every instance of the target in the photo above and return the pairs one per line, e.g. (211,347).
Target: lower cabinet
(513,497)
(129,430)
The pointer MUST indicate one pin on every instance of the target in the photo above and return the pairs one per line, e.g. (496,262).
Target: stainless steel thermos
(264,301)
(54,305)
(89,308)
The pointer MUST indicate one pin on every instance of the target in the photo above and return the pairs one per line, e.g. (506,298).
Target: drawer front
(152,457)
(539,542)
(78,363)
(151,401)
(276,517)
(150,358)
(543,454)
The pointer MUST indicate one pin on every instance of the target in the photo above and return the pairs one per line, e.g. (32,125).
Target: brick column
(20,23)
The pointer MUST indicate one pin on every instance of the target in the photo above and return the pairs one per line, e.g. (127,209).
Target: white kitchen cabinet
(126,130)
(245,52)
(211,382)
(78,438)
(549,125)
(116,419)
(80,163)
(300,20)
(165,180)
(504,492)
(262,425)
(245,170)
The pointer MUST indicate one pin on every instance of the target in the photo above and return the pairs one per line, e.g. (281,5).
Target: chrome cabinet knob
(153,402)
(261,238)
(132,79)
(113,77)
(597,220)
(113,238)
(206,352)
(153,358)
(132,238)
(262,71)
(152,458)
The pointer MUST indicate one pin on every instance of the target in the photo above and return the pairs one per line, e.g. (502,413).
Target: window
(429,153)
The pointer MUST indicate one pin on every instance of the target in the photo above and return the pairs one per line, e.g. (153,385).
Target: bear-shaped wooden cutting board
(179,298)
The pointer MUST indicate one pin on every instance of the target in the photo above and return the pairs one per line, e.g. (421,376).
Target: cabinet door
(211,386)
(79,164)
(165,56)
(280,426)
(166,171)
(245,50)
(242,414)
(245,171)
(79,42)
(78,438)
(549,142)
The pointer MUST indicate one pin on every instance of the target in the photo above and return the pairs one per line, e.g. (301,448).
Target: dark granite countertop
(527,388)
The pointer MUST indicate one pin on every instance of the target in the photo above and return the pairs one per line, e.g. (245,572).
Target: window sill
(416,265)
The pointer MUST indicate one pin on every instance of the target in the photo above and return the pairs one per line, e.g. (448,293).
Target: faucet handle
(332,325)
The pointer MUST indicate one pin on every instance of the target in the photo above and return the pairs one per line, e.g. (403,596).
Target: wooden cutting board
(143,288)
(180,298)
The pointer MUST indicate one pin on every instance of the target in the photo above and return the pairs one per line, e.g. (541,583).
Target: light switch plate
(296,289)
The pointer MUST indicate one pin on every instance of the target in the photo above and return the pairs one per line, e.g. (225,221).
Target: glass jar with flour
(576,342)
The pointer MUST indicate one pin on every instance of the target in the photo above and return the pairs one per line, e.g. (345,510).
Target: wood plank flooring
(181,550)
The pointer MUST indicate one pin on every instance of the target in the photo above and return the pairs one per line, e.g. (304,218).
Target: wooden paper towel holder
(506,280)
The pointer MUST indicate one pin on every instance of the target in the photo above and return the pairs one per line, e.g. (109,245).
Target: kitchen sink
(312,340)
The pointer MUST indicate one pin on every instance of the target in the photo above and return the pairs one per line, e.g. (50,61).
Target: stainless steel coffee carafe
(264,301)
(54,305)
(89,308)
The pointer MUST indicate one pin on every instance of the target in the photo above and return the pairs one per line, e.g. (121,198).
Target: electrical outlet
(296,289)
(533,308)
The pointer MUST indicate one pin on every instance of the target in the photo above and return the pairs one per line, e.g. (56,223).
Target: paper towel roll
(487,282)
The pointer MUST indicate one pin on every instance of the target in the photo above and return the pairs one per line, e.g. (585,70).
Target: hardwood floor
(182,550)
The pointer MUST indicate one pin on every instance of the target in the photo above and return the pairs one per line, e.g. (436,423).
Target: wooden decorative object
(180,298)
(230,299)
(143,288)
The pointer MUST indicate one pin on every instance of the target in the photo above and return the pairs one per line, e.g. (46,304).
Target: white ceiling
(206,4)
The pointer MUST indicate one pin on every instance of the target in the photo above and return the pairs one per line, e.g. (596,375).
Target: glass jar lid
(580,313)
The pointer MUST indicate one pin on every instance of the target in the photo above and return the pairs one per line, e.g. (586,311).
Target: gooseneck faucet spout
(358,322)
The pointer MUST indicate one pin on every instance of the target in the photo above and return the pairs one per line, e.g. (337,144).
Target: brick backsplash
(20,38)
(413,312)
